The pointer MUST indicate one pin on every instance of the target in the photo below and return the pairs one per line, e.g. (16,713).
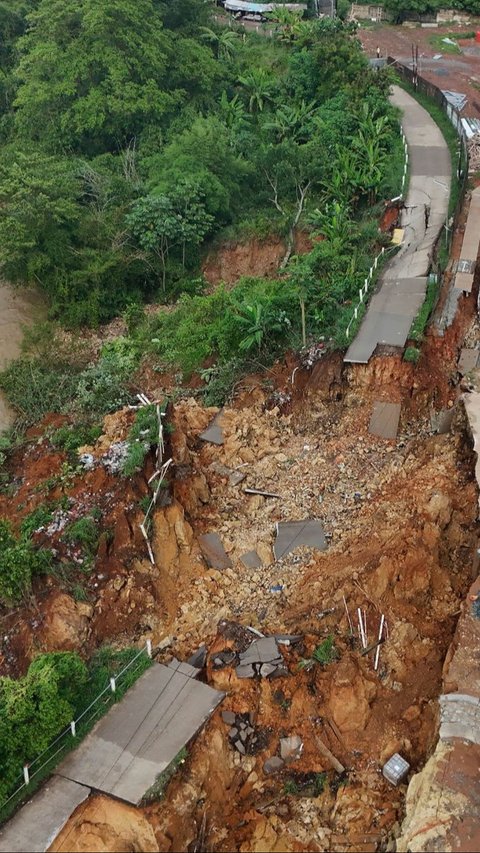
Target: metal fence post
(113,686)
(73,728)
(26,774)
(149,648)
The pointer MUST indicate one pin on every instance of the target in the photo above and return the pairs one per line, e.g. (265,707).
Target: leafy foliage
(143,434)
(33,709)
(134,130)
(20,561)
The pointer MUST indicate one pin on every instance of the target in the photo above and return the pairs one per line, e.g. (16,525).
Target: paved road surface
(403,282)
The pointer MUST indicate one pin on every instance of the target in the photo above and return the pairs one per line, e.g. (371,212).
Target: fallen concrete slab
(385,419)
(39,821)
(213,551)
(261,658)
(214,432)
(139,738)
(251,560)
(293,534)
(468,360)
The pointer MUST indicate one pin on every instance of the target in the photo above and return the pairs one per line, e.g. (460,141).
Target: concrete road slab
(464,282)
(293,534)
(38,823)
(140,737)
(385,419)
(212,549)
(423,163)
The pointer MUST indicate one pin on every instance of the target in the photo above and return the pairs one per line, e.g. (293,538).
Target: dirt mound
(106,826)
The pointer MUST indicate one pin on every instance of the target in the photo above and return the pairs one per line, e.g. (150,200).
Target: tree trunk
(301,195)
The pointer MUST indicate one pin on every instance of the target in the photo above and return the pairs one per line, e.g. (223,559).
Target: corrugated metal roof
(260,8)
(456,99)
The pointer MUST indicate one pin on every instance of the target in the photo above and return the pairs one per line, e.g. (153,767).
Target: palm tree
(258,84)
(224,43)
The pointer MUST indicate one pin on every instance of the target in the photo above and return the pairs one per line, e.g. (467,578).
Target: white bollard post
(26,774)
(73,728)
(356,313)
(149,648)
(113,686)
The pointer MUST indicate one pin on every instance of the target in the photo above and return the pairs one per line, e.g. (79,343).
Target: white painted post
(377,653)
(149,648)
(73,728)
(383,250)
(113,686)
(360,293)
(356,312)
(348,331)
(375,263)
(26,774)
(371,272)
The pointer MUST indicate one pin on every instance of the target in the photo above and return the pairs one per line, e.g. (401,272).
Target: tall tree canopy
(92,73)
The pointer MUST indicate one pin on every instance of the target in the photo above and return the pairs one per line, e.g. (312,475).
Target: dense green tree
(160,223)
(39,211)
(91,73)
(35,708)
(203,156)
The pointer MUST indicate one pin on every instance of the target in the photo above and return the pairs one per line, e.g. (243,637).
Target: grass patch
(421,320)
(444,47)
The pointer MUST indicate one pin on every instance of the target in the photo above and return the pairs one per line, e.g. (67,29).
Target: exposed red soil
(251,258)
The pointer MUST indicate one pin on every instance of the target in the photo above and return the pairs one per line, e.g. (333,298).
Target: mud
(253,257)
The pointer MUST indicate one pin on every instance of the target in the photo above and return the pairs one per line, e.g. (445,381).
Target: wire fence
(77,728)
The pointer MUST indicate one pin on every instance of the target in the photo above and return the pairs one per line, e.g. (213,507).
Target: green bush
(84,533)
(142,435)
(72,436)
(40,517)
(412,354)
(19,563)
(326,652)
(35,708)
